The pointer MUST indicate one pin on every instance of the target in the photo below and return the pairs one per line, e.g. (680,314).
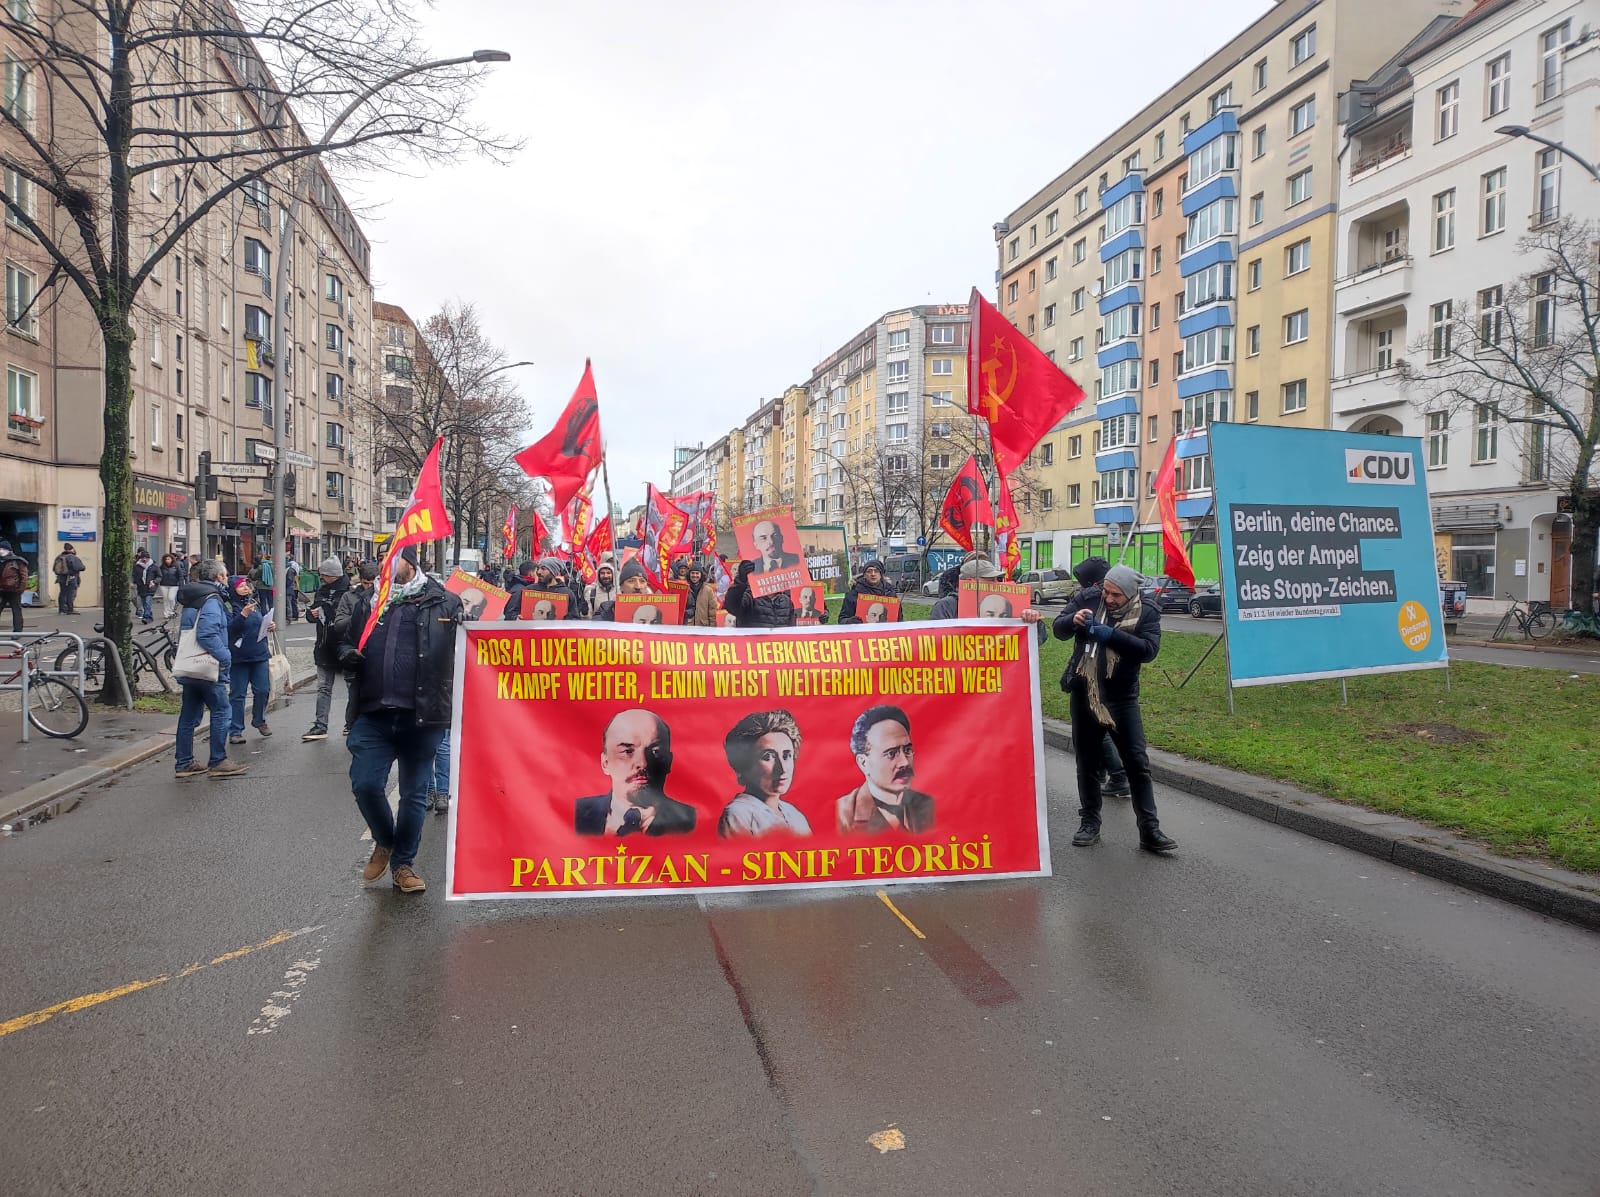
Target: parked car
(1168,594)
(1206,602)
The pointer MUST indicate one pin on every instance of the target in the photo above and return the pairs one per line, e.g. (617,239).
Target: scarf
(399,592)
(1096,655)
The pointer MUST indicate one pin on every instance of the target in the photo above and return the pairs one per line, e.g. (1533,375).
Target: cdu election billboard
(1326,547)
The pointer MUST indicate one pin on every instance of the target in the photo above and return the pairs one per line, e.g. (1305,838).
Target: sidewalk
(1479,630)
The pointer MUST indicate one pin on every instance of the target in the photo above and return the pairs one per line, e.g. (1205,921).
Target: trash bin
(1452,603)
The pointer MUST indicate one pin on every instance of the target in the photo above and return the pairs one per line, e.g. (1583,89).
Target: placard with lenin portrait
(769,538)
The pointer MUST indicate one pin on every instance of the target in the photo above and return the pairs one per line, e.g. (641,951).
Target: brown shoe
(228,769)
(376,864)
(407,881)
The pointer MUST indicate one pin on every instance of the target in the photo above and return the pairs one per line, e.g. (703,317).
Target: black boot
(1088,833)
(1153,839)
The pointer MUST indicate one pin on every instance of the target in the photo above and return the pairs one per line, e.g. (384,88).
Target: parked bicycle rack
(25,643)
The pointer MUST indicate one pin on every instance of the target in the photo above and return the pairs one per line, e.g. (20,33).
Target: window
(1258,208)
(1052,222)
(1303,46)
(1215,220)
(945,334)
(898,372)
(1214,347)
(257,323)
(1544,310)
(155,426)
(1074,446)
(1119,377)
(1155,260)
(1447,110)
(1258,142)
(334,484)
(1049,318)
(23,196)
(1438,440)
(1551,42)
(941,398)
(1441,326)
(1548,188)
(1080,249)
(1119,432)
(257,390)
(1252,340)
(1297,257)
(1153,428)
(21,312)
(257,258)
(1049,276)
(1302,116)
(1130,163)
(335,387)
(1300,187)
(335,436)
(1161,146)
(19,91)
(896,463)
(1119,484)
(1486,434)
(1294,396)
(939,461)
(1014,248)
(1047,499)
(1123,322)
(1296,327)
(1383,349)
(1077,300)
(1211,285)
(1047,453)
(1252,406)
(1011,295)
(944,366)
(1033,235)
(1081,201)
(1253,271)
(1075,495)
(940,429)
(396,335)
(1494,201)
(898,434)
(1125,213)
(898,403)
(1444,221)
(1222,99)
(1183,125)
(1075,351)
(22,393)
(1491,315)
(900,338)
(1497,85)
(1258,76)
(1201,411)
(1211,159)
(1155,315)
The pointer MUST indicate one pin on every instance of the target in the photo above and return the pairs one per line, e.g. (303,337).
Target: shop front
(161,515)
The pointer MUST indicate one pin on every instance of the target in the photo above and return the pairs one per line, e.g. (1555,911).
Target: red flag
(575,519)
(698,509)
(1013,386)
(424,519)
(664,525)
(599,543)
(509,533)
(541,537)
(569,453)
(966,504)
(1005,529)
(1176,562)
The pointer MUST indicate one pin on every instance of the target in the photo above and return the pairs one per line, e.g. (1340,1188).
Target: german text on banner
(631,760)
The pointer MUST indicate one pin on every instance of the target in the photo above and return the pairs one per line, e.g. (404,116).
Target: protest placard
(982,599)
(544,604)
(479,600)
(769,539)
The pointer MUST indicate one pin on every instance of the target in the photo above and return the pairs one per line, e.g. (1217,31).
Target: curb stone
(1432,851)
(44,800)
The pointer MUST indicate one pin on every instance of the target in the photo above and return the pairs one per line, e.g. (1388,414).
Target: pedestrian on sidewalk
(322,612)
(401,692)
(68,566)
(13,581)
(205,610)
(144,576)
(1111,643)
(1090,572)
(251,652)
(291,588)
(168,578)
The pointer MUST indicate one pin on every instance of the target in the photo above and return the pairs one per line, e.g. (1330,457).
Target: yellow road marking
(72,1005)
(912,927)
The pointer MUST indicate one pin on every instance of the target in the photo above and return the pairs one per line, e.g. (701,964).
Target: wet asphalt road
(1263,1014)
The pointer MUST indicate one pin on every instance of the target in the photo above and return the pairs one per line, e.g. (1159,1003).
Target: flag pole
(605,480)
(1127,540)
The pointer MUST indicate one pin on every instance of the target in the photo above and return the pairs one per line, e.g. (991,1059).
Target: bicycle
(1535,621)
(149,645)
(55,707)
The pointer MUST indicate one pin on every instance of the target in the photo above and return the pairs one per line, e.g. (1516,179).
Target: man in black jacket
(1090,572)
(768,611)
(401,691)
(869,581)
(323,611)
(1112,642)
(143,575)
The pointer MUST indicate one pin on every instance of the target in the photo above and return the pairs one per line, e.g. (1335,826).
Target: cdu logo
(1381,469)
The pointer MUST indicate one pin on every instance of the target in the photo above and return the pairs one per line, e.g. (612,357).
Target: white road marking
(282,1000)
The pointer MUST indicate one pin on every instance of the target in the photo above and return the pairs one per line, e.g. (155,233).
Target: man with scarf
(1111,643)
(401,688)
(603,589)
(632,580)
(1090,572)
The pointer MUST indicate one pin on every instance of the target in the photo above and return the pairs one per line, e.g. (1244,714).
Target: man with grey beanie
(1111,642)
(333,586)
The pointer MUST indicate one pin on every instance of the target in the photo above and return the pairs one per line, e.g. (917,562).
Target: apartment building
(1182,270)
(1435,203)
(206,352)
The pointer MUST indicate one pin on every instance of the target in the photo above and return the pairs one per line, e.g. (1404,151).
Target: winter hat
(1091,571)
(1125,578)
(234,582)
(6,545)
(632,570)
(331,568)
(409,556)
(553,564)
(979,567)
(872,563)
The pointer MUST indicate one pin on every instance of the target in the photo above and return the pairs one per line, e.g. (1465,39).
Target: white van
(469,561)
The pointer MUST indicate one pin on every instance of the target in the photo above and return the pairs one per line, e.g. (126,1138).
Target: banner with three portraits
(650,759)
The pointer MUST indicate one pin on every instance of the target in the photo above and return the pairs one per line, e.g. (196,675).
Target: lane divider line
(72,1005)
(910,926)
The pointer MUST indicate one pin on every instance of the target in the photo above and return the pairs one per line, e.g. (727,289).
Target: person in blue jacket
(204,609)
(251,652)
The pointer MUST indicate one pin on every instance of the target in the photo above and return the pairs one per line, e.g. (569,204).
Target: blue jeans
(141,607)
(377,741)
(441,765)
(198,697)
(255,675)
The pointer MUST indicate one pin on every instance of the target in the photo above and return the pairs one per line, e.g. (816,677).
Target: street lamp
(301,181)
(1524,131)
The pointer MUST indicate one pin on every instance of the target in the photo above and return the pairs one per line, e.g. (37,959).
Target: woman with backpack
(68,565)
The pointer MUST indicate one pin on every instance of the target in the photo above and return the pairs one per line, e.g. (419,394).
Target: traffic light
(206,484)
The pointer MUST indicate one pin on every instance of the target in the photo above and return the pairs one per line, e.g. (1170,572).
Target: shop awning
(310,524)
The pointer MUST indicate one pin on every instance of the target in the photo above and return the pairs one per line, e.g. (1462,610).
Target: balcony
(1370,159)
(1370,391)
(1382,284)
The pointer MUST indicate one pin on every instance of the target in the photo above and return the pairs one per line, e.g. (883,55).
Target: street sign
(922,542)
(240,469)
(265,452)
(297,458)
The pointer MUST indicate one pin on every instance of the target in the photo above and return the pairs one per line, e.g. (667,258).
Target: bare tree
(1529,361)
(196,102)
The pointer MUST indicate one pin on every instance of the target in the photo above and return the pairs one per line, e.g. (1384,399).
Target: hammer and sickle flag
(966,504)
(1018,391)
(425,519)
(570,451)
(1005,529)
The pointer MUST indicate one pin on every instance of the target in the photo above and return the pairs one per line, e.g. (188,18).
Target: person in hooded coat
(701,610)
(1090,572)
(869,581)
(604,588)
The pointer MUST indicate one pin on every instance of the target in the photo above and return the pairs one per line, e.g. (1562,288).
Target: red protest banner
(540,605)
(651,760)
(479,600)
(978,599)
(770,539)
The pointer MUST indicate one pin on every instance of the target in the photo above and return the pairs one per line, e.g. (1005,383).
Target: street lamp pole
(1525,132)
(301,176)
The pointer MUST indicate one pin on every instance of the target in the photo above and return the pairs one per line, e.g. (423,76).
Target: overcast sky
(714,196)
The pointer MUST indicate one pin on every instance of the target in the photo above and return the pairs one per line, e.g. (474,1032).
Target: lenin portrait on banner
(636,754)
